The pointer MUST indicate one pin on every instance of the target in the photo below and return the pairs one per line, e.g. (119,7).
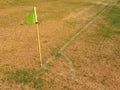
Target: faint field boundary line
(74,78)
(95,86)
(73,74)
(110,5)
(82,82)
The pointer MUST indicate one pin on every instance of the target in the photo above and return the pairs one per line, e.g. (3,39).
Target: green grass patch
(21,76)
(110,25)
(104,31)
(56,54)
(26,76)
(114,17)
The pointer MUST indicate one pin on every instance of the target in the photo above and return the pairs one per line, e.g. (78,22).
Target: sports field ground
(80,42)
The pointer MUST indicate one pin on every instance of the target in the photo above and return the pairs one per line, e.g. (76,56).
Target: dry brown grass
(95,55)
(95,58)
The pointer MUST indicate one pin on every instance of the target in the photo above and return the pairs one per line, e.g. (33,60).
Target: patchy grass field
(80,45)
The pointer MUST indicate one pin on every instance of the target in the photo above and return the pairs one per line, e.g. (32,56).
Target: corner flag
(32,17)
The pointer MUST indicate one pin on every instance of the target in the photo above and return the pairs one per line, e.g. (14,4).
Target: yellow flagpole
(38,37)
(39,43)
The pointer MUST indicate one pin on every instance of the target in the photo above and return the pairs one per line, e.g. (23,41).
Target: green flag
(32,17)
